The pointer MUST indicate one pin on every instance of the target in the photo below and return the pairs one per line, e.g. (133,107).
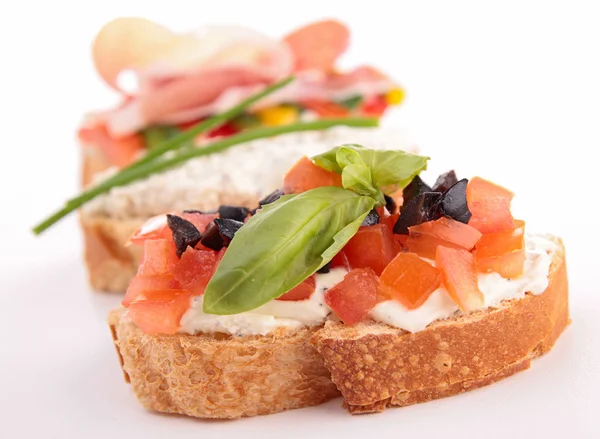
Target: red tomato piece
(160,311)
(120,152)
(374,107)
(160,257)
(200,220)
(340,260)
(390,221)
(140,284)
(225,130)
(410,280)
(372,247)
(195,269)
(302,291)
(489,205)
(355,296)
(459,276)
(424,238)
(502,252)
(154,228)
(318,45)
(305,175)
(326,109)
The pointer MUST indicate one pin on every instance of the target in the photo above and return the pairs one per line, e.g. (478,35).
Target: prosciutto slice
(180,78)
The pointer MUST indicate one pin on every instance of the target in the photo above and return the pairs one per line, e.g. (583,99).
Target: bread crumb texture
(220,376)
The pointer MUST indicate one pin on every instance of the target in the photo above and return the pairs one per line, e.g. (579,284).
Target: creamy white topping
(262,320)
(494,288)
(244,172)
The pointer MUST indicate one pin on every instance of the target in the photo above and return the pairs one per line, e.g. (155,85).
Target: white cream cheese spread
(314,311)
(274,314)
(244,172)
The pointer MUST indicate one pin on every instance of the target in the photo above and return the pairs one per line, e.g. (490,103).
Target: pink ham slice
(181,78)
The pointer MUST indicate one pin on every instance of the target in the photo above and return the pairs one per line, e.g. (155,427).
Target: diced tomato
(160,311)
(355,296)
(154,228)
(141,284)
(489,205)
(305,175)
(459,276)
(502,252)
(326,109)
(302,291)
(372,247)
(390,220)
(401,241)
(374,107)
(195,268)
(424,238)
(200,220)
(160,257)
(120,152)
(410,280)
(340,260)
(225,130)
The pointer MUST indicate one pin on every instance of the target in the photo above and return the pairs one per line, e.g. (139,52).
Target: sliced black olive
(371,219)
(415,188)
(184,233)
(271,198)
(237,213)
(219,233)
(425,207)
(445,181)
(203,212)
(390,204)
(325,268)
(454,202)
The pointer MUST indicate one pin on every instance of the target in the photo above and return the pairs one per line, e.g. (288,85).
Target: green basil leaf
(357,178)
(156,135)
(390,170)
(352,103)
(283,244)
(346,155)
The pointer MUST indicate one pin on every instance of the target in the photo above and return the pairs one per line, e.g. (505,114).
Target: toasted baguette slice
(373,365)
(220,376)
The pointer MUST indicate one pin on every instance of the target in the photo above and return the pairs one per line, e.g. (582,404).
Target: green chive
(145,169)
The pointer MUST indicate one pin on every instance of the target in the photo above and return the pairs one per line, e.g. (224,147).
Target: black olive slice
(425,207)
(184,233)
(445,181)
(454,202)
(271,198)
(219,233)
(371,219)
(237,213)
(415,188)
(390,204)
(325,268)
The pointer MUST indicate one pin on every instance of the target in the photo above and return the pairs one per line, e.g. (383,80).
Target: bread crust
(219,376)
(377,366)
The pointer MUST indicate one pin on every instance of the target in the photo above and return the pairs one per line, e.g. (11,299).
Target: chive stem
(146,168)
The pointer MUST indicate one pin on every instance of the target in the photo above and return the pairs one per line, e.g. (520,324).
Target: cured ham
(178,78)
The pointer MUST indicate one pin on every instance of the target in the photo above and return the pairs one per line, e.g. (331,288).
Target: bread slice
(220,376)
(373,365)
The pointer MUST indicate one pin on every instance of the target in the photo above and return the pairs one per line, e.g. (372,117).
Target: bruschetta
(356,278)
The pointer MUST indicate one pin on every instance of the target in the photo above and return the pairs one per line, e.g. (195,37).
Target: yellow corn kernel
(395,96)
(278,115)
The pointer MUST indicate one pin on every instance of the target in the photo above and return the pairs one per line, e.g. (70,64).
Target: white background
(507,90)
